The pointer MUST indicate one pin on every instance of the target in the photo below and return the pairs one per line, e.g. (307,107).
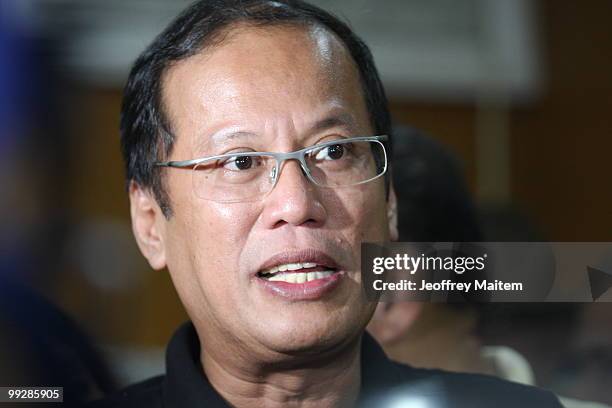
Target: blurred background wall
(520,90)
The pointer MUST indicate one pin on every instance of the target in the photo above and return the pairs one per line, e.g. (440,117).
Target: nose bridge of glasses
(282,159)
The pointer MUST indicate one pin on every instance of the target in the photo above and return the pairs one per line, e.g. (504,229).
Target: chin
(308,333)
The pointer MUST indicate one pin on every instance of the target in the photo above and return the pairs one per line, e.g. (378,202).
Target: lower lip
(312,290)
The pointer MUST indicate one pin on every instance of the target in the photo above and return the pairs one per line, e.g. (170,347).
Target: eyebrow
(228,136)
(344,119)
(221,137)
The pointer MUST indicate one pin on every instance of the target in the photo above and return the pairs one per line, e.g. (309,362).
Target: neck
(325,380)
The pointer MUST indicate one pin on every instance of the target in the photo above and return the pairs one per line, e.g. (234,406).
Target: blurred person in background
(39,344)
(263,248)
(434,205)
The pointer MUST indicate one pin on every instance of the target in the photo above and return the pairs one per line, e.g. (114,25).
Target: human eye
(238,163)
(331,152)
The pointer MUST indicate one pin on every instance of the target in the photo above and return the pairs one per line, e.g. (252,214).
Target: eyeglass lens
(246,178)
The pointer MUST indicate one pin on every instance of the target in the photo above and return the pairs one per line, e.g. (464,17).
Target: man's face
(283,89)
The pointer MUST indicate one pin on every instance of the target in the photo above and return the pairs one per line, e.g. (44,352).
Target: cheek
(205,224)
(206,241)
(219,233)
(367,211)
(205,236)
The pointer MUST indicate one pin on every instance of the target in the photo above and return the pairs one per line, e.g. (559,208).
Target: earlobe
(147,225)
(392,214)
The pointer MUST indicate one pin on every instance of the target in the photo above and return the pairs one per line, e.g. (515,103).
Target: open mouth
(297,272)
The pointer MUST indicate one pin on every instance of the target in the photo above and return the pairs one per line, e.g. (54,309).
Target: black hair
(145,131)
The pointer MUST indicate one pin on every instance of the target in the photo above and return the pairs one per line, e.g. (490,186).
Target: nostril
(279,224)
(310,222)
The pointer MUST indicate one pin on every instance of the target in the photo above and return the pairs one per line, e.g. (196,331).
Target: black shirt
(384,382)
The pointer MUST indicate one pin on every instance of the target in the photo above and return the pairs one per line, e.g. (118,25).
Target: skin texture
(277,83)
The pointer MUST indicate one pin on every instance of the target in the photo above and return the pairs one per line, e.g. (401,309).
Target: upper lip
(299,256)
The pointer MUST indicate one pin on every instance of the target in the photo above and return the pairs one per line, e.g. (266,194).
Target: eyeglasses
(248,176)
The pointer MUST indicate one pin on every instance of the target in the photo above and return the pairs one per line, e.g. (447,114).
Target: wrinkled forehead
(262,77)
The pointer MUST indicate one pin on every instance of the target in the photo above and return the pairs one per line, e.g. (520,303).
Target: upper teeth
(289,267)
(299,277)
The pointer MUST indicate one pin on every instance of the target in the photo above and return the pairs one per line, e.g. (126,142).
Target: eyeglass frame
(281,157)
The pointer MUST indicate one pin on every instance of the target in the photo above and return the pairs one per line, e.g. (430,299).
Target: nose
(294,200)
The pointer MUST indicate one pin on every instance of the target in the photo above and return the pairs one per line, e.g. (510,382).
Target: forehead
(264,78)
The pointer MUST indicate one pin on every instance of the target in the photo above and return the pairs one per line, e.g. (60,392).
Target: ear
(392,214)
(148,224)
(391,321)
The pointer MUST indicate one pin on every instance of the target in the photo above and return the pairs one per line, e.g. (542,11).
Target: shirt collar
(185,384)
